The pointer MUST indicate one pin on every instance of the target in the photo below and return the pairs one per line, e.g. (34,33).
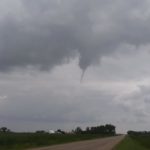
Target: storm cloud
(44,46)
(48,33)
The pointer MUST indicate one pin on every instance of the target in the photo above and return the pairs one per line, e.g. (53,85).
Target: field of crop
(20,141)
(134,143)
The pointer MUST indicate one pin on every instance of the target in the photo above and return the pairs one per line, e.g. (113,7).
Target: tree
(4,129)
(110,128)
(87,130)
(60,131)
(78,130)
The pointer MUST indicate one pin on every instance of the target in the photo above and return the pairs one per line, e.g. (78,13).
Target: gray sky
(45,45)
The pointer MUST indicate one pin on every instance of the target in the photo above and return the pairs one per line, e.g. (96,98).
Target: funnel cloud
(48,33)
(46,47)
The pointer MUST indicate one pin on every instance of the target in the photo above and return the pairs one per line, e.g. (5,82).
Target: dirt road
(98,144)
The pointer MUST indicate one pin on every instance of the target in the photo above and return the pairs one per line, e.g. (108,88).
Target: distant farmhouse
(56,132)
(51,132)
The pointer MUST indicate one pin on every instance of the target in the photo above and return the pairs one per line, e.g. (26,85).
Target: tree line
(137,133)
(102,129)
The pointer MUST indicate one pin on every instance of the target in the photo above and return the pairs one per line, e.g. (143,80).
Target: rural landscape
(92,137)
(74,74)
(16,141)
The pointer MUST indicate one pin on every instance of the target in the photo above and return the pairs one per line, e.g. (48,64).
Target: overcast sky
(46,45)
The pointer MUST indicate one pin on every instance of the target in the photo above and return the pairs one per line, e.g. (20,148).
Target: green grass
(20,141)
(132,143)
(143,140)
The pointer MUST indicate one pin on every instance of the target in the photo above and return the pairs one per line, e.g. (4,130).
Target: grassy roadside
(21,141)
(130,143)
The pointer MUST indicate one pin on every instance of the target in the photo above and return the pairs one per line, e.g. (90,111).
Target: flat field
(134,143)
(20,141)
(106,143)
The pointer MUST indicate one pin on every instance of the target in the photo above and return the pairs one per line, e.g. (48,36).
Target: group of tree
(4,130)
(40,131)
(102,129)
(138,133)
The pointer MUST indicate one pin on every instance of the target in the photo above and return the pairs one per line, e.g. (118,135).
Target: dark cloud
(49,33)
(43,34)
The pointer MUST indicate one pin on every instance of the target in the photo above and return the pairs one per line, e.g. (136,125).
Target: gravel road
(98,144)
